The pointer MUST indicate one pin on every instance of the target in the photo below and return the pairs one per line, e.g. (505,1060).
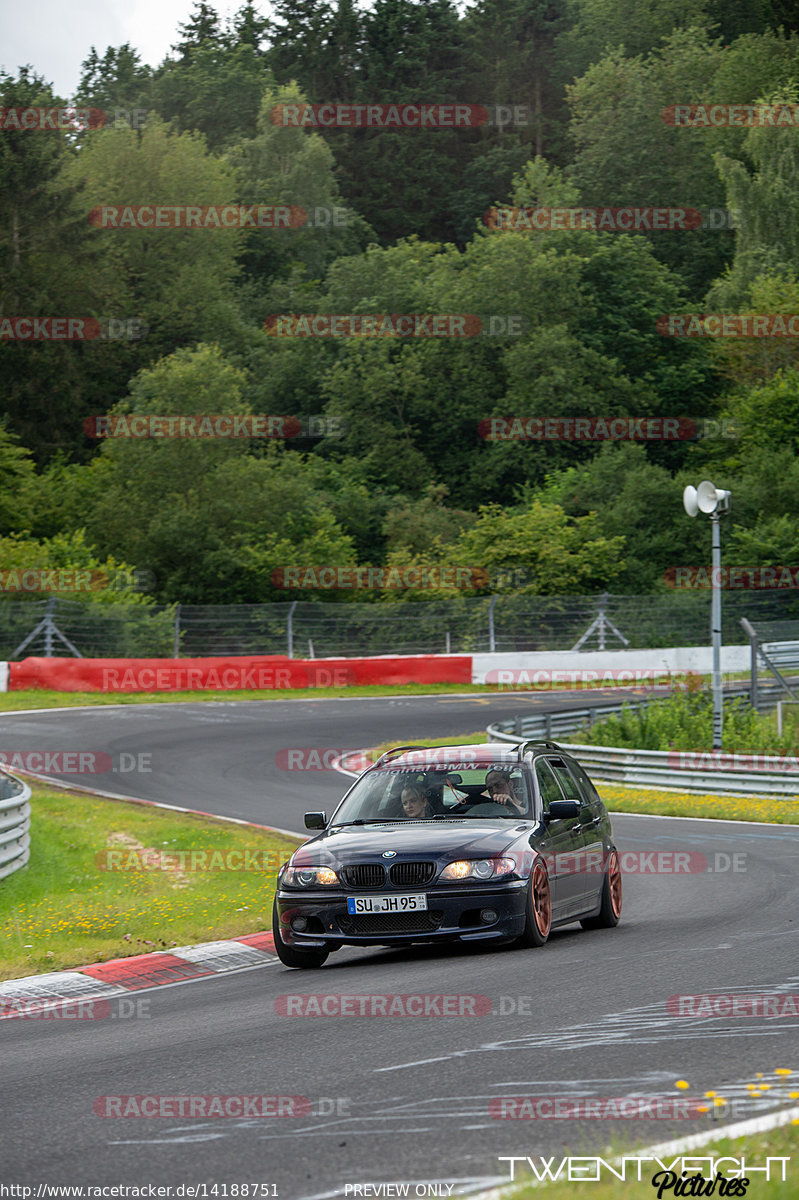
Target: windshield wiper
(369,821)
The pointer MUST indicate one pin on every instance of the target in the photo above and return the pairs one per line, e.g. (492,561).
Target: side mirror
(315,820)
(562,810)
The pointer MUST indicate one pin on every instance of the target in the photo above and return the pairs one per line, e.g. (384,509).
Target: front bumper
(453,914)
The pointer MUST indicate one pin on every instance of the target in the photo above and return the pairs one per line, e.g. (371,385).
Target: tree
(207,519)
(766,203)
(558,554)
(635,499)
(118,80)
(178,281)
(51,266)
(293,167)
(635,26)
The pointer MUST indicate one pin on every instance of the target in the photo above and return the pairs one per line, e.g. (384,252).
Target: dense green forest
(389,462)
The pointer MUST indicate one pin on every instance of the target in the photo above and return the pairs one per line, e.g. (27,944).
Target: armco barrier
(266,673)
(719,773)
(15,816)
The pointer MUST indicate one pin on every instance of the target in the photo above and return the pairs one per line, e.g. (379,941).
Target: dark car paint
(572,849)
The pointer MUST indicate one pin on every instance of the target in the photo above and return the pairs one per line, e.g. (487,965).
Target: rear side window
(567,781)
(589,791)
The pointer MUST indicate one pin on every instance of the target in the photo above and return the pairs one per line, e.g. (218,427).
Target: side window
(589,791)
(548,785)
(567,781)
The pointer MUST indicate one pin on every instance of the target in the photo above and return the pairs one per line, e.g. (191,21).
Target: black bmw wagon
(454,843)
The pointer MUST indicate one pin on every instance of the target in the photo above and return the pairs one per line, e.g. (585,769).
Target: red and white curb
(102,981)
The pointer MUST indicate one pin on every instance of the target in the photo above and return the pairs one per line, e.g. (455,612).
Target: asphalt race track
(402,1099)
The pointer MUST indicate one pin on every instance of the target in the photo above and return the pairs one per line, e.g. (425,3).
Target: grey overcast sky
(55,37)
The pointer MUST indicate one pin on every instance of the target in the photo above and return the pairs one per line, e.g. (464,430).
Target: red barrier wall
(265,673)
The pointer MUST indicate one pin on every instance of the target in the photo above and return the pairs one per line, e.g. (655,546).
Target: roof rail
(525,746)
(396,750)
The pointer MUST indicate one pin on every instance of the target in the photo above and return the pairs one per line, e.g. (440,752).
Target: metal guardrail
(649,768)
(15,819)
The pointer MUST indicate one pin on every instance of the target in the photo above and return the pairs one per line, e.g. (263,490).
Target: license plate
(384,904)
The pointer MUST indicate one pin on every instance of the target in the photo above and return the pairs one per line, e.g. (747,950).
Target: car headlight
(478,868)
(309,877)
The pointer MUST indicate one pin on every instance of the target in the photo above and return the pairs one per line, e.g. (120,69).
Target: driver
(500,789)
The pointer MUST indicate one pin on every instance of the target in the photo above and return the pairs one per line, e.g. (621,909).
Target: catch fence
(308,629)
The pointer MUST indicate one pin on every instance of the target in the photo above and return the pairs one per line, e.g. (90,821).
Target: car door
(561,843)
(577,786)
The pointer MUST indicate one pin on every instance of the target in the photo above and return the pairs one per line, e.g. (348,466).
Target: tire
(610,908)
(538,915)
(288,955)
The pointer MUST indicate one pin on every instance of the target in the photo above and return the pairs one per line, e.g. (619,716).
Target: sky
(55,37)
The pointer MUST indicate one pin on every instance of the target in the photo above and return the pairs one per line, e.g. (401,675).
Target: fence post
(48,628)
(290,628)
(753,648)
(492,641)
(176,648)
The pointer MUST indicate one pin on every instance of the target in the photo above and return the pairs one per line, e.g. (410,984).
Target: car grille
(364,875)
(412,874)
(377,923)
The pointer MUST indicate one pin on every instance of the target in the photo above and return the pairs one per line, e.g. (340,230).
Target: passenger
(415,804)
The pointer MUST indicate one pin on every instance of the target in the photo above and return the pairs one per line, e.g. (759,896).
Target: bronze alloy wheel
(542,900)
(614,883)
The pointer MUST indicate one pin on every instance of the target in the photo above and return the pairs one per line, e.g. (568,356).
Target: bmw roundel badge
(389,854)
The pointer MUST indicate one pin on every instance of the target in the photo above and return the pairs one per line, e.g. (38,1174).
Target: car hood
(474,838)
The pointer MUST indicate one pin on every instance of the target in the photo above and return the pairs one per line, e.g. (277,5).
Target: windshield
(428,793)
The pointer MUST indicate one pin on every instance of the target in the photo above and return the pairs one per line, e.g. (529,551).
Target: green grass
(64,910)
(46,698)
(755,1149)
